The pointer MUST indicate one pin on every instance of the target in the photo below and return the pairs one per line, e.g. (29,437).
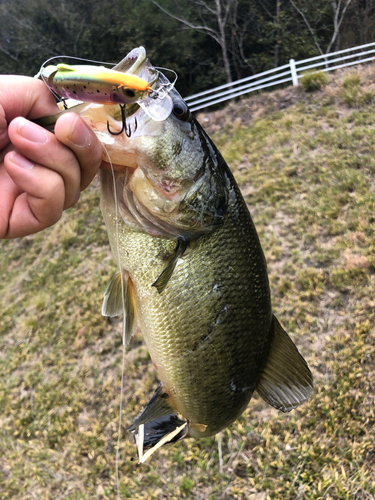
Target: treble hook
(125,128)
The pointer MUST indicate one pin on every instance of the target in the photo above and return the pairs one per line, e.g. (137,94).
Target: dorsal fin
(119,298)
(286,380)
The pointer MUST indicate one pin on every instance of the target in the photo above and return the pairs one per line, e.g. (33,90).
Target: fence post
(293,71)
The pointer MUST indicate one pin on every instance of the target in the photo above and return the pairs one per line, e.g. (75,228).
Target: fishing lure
(95,84)
(100,85)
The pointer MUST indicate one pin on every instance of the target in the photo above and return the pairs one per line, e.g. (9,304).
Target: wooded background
(207,42)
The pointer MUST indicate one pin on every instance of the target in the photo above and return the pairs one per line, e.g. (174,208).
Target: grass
(306,169)
(312,80)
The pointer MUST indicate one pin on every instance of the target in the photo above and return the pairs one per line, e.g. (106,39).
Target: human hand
(41,174)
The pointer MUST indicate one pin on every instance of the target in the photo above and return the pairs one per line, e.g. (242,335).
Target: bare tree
(339,8)
(215,18)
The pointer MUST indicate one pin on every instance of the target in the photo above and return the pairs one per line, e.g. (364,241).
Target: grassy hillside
(305,163)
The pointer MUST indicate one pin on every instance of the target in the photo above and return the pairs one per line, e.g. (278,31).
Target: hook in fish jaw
(125,128)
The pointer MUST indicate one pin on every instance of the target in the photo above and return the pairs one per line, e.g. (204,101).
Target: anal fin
(286,380)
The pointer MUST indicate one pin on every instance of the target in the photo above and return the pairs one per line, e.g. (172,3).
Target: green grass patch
(312,80)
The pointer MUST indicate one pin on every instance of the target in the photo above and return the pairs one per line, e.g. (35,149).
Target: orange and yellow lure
(95,84)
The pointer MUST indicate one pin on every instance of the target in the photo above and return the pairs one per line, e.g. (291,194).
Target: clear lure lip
(157,108)
(158,104)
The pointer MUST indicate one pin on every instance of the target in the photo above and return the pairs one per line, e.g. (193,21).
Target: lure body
(95,84)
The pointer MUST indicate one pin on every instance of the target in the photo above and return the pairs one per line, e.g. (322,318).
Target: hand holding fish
(41,174)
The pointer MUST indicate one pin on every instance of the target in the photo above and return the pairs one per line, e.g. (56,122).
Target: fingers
(38,197)
(42,148)
(9,193)
(77,164)
(48,174)
(74,133)
(41,174)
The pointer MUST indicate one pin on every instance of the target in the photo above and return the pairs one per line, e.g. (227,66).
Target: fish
(192,275)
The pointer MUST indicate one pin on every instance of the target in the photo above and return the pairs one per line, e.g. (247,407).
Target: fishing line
(76,59)
(171,71)
(123,324)
(166,87)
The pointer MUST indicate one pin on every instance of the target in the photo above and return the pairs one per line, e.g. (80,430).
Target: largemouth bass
(192,274)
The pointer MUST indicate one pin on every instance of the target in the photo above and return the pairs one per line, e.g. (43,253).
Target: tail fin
(157,425)
(286,380)
(152,435)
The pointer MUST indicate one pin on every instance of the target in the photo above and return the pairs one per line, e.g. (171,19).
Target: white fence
(288,73)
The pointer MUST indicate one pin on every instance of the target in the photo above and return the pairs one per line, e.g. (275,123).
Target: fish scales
(215,314)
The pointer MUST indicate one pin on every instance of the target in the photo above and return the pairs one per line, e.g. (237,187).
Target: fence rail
(287,73)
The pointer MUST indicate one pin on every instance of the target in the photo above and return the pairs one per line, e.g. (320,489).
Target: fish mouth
(163,209)
(155,194)
(119,127)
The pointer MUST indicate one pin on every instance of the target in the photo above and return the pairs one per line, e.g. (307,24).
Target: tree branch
(204,29)
(337,23)
(8,53)
(203,4)
(308,26)
(265,8)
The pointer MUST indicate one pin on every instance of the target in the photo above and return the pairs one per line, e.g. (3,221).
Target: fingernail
(80,134)
(32,132)
(20,161)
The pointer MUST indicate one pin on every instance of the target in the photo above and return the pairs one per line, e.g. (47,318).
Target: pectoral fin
(286,380)
(112,297)
(165,276)
(119,298)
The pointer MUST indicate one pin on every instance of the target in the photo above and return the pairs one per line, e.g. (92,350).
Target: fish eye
(180,110)
(130,93)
